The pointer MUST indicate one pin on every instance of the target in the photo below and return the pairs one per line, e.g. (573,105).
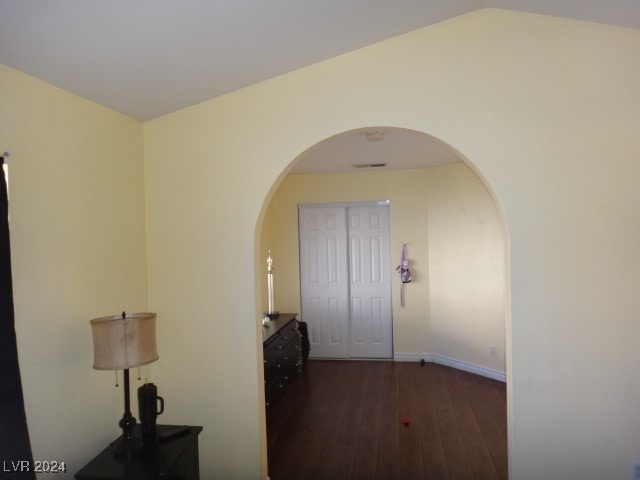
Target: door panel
(370,282)
(323,280)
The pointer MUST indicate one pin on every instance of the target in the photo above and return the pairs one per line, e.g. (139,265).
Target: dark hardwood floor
(388,420)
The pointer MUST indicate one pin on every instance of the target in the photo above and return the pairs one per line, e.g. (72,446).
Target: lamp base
(127,445)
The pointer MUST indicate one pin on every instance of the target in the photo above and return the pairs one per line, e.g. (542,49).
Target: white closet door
(324,285)
(345,282)
(370,282)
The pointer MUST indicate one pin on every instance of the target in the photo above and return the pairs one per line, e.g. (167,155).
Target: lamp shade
(120,343)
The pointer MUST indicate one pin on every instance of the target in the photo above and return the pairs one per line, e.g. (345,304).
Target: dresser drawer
(279,343)
(282,358)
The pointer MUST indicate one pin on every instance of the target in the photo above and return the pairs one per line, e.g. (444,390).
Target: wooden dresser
(282,355)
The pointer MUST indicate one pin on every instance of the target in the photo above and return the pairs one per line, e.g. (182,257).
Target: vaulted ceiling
(147,58)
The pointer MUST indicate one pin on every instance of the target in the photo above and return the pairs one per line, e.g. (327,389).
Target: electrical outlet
(494,352)
(635,470)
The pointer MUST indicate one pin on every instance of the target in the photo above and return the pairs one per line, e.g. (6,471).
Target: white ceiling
(147,58)
(399,149)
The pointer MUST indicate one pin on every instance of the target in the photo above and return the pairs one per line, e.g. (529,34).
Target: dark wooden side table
(173,459)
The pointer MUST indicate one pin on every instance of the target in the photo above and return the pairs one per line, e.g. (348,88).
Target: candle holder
(271,311)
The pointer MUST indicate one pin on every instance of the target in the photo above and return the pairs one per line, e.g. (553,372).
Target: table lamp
(121,342)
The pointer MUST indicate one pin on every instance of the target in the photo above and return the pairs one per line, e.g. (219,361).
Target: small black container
(148,409)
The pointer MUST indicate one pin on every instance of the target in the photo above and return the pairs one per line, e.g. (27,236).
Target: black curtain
(16,460)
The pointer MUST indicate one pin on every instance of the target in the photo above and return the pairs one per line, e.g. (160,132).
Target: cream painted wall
(546,109)
(407,193)
(466,268)
(455,303)
(78,249)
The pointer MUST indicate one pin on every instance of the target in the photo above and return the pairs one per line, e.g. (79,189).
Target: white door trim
(372,203)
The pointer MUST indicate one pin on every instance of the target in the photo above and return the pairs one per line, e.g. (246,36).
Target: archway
(403,185)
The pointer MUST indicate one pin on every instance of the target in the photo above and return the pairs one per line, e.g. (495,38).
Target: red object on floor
(405,421)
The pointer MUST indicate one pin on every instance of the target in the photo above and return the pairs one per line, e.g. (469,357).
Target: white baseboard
(450,362)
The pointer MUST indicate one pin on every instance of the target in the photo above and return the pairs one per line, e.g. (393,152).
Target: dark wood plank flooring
(346,420)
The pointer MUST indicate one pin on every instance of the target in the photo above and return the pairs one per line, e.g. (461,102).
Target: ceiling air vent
(375,136)
(368,165)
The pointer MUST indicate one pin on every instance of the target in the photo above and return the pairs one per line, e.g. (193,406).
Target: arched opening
(457,310)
